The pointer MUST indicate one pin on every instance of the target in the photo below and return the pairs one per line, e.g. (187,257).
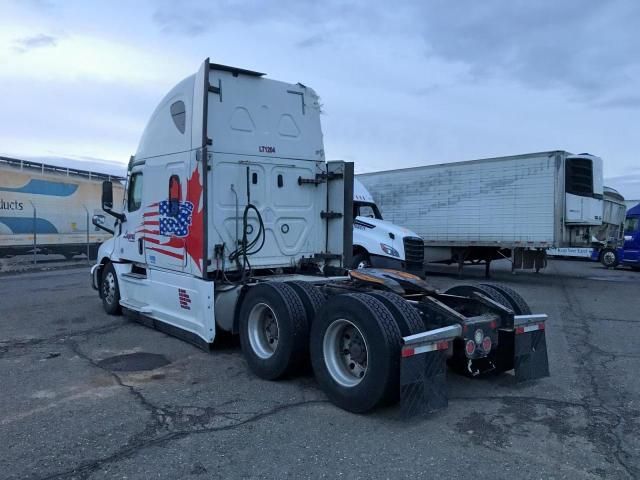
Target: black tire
(374,322)
(311,297)
(110,291)
(361,260)
(518,304)
(408,319)
(467,290)
(262,304)
(609,258)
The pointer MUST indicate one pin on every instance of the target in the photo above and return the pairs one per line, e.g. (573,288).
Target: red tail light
(470,347)
(486,344)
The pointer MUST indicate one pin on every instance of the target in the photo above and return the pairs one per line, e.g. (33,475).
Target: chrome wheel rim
(609,258)
(109,288)
(346,355)
(263,330)
(363,264)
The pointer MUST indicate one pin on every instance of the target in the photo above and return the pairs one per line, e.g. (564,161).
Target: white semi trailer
(507,207)
(233,221)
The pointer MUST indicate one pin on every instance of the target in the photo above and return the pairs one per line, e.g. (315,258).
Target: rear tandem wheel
(355,351)
(274,331)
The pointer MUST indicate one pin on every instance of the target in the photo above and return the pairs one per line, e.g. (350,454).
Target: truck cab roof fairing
(161,124)
(235,70)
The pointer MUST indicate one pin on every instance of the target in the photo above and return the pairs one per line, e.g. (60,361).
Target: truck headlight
(389,250)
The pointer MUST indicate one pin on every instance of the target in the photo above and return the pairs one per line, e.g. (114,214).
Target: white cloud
(75,57)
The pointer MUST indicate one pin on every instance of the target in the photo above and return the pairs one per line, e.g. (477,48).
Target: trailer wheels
(274,330)
(608,258)
(514,299)
(110,291)
(407,318)
(355,351)
(311,297)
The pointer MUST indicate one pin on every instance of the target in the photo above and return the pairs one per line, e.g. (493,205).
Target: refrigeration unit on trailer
(382,244)
(50,208)
(233,221)
(507,207)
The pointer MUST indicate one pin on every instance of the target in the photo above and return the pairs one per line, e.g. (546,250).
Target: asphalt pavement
(89,396)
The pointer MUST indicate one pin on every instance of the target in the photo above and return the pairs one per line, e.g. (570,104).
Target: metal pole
(88,256)
(34,233)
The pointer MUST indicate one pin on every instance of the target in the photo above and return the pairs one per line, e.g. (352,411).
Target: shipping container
(50,209)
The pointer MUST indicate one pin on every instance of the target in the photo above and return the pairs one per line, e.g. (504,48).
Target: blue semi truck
(629,253)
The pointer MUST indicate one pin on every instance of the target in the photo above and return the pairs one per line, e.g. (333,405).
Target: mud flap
(423,371)
(530,347)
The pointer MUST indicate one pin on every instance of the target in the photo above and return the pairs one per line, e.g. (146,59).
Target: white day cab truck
(379,243)
(513,207)
(233,221)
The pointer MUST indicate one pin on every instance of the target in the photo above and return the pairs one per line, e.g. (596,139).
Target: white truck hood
(385,226)
(369,233)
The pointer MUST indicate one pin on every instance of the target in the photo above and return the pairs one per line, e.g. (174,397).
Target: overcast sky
(402,83)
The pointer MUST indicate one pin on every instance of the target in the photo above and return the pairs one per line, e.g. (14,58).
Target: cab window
(362,209)
(631,225)
(134,199)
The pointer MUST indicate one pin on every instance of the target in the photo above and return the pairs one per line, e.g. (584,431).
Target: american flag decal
(165,226)
(174,228)
(185,299)
(175,218)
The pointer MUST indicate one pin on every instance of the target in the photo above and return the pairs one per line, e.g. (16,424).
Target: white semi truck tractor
(379,243)
(233,221)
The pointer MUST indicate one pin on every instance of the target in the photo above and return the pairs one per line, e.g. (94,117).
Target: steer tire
(407,318)
(375,323)
(518,304)
(311,297)
(262,303)
(609,258)
(110,291)
(361,260)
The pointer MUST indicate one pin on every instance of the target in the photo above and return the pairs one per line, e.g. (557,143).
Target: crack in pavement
(8,346)
(605,419)
(177,421)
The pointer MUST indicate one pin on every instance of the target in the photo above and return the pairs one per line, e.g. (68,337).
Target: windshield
(366,209)
(631,224)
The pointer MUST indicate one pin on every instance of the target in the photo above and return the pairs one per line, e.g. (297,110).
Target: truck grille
(414,250)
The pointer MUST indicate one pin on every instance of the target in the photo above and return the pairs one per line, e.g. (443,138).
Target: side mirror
(107,195)
(107,201)
(98,221)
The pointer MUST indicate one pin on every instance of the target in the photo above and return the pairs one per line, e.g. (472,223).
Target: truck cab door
(130,244)
(632,239)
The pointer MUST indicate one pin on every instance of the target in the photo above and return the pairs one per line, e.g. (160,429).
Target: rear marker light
(486,344)
(408,352)
(478,336)
(430,347)
(530,328)
(470,347)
